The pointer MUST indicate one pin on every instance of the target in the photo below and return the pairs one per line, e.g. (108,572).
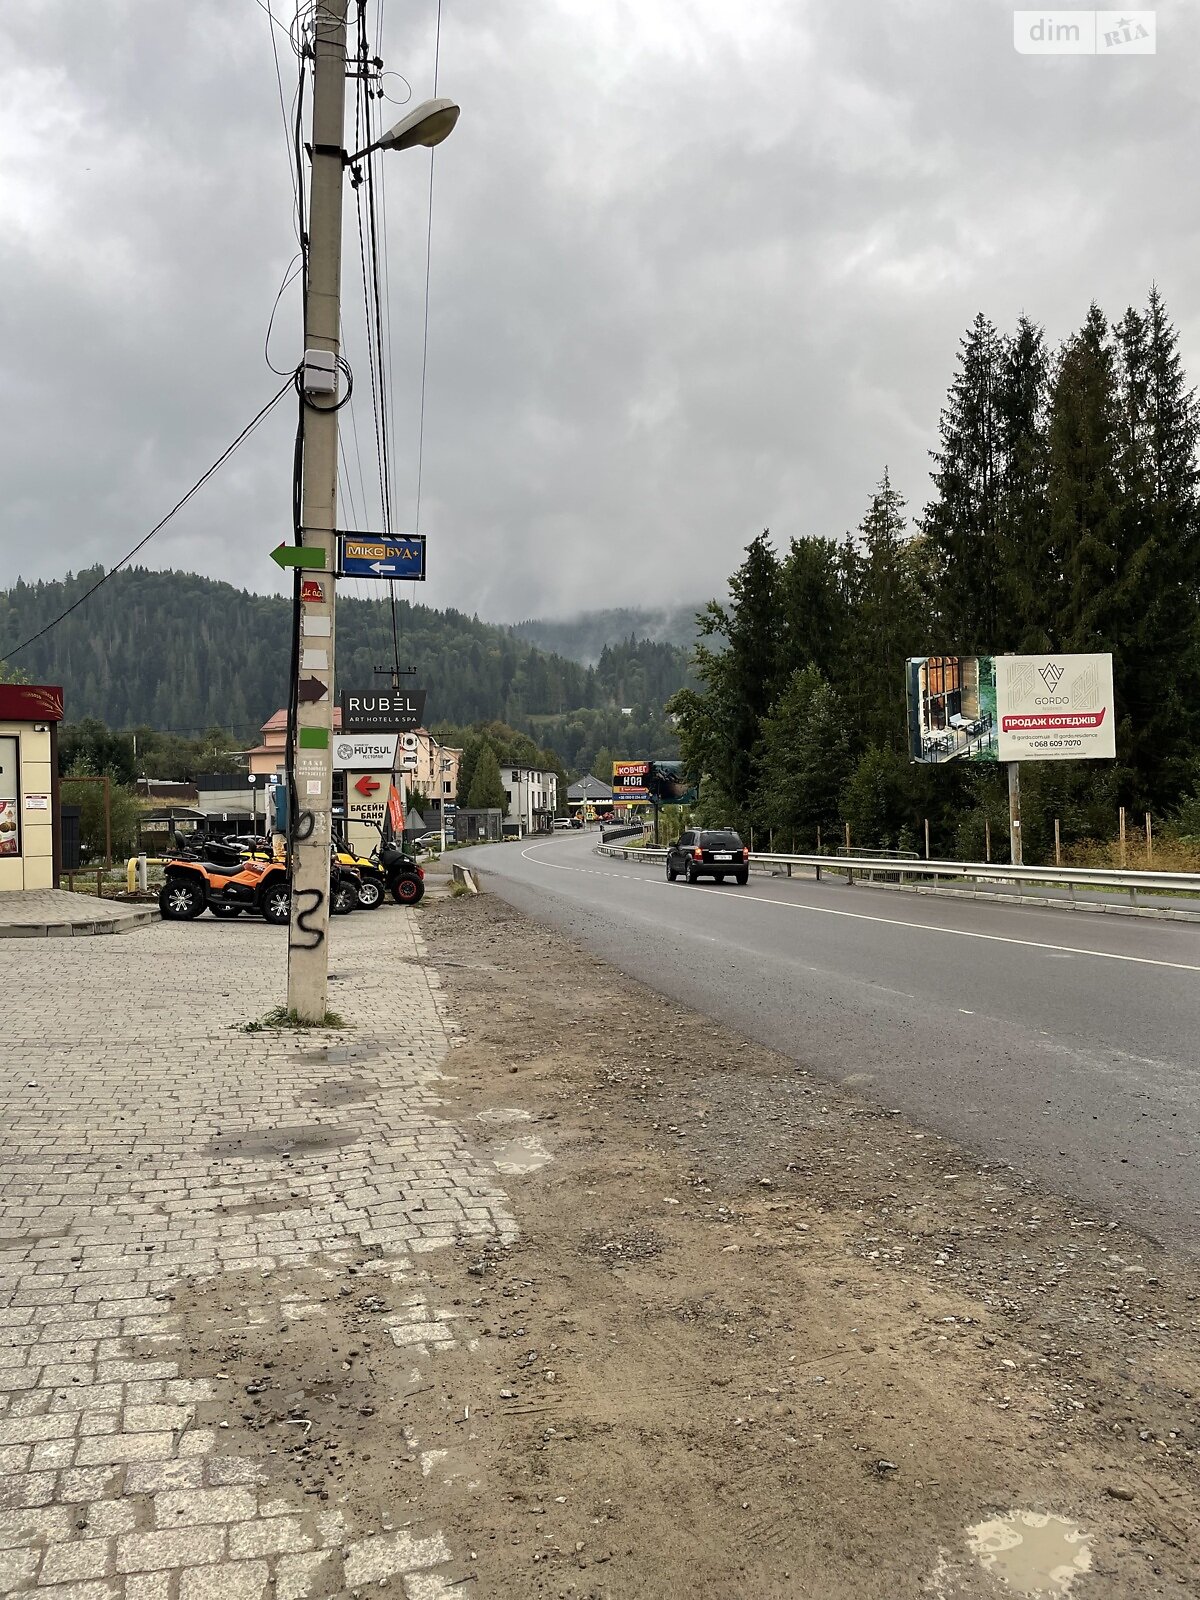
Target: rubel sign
(1055,708)
(382,711)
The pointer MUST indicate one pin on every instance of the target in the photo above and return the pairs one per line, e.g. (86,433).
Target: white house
(532,798)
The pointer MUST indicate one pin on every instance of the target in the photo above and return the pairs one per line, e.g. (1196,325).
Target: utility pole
(312,755)
(1014,814)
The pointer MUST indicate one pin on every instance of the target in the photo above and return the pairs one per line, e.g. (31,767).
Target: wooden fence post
(1057,844)
(987,839)
(927,838)
(1149,840)
(1122,829)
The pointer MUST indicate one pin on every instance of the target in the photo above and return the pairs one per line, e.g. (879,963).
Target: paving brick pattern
(143,1134)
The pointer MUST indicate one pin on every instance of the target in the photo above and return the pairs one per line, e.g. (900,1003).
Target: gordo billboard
(1011,708)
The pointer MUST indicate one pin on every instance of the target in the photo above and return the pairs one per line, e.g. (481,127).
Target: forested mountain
(584,637)
(1065,516)
(173,651)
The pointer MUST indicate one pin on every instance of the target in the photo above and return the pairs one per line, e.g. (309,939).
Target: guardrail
(872,869)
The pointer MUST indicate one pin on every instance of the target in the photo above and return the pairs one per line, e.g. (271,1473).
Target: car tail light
(745,853)
(697,854)
(420,872)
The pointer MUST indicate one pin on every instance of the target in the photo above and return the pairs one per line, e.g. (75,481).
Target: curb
(79,930)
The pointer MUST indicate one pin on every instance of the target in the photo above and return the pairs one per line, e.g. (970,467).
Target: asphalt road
(1064,1044)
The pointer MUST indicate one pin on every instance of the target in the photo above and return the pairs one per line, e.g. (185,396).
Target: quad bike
(387,870)
(227,881)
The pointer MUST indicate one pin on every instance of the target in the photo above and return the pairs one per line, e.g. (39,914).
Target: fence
(908,872)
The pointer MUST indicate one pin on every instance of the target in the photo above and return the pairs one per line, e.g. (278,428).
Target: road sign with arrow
(311,690)
(299,555)
(367,785)
(371,555)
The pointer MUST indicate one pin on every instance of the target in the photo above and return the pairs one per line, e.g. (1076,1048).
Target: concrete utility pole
(308,936)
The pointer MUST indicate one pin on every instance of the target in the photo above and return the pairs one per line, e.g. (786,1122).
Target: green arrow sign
(299,555)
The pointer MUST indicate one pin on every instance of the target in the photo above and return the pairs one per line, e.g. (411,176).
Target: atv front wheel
(345,899)
(180,900)
(371,894)
(276,904)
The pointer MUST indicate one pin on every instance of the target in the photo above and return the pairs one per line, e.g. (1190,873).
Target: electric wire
(158,526)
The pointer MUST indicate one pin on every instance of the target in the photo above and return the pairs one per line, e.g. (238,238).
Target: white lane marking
(889,922)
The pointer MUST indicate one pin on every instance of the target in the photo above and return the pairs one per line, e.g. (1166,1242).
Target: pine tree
(961,525)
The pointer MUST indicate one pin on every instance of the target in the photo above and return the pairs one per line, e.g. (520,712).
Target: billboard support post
(1016,854)
(1057,843)
(1122,827)
(987,838)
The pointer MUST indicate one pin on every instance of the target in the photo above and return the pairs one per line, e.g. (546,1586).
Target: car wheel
(345,899)
(689,873)
(276,904)
(742,877)
(671,873)
(180,901)
(222,908)
(371,894)
(408,891)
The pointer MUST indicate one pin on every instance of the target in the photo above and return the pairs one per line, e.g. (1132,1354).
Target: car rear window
(726,839)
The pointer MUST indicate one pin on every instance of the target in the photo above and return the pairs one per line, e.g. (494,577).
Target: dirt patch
(303,1136)
(758,1336)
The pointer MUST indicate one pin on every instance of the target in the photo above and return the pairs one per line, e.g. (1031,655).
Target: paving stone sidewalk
(58,913)
(134,1114)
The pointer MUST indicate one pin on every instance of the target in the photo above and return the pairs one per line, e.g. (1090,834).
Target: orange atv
(222,878)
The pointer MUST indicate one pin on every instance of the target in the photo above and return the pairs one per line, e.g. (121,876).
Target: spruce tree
(962,523)
(487,789)
(1084,492)
(885,625)
(1029,575)
(803,760)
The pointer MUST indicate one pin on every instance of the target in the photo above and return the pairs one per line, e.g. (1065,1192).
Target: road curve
(1064,1044)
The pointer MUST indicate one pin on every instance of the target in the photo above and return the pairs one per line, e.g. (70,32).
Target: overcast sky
(698,268)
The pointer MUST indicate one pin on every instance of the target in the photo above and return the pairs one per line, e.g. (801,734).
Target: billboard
(1011,708)
(669,784)
(629,782)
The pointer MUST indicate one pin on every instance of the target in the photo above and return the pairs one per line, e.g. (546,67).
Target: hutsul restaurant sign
(383,711)
(30,702)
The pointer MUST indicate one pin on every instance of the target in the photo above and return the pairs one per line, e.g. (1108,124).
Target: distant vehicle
(576,822)
(713,852)
(563,822)
(428,841)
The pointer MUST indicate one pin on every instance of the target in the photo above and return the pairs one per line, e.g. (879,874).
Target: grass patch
(458,888)
(280,1017)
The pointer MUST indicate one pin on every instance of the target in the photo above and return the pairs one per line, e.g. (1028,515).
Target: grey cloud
(696,270)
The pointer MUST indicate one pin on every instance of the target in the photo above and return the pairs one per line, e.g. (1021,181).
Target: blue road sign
(370,555)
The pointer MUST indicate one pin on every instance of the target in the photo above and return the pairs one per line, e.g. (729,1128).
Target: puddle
(336,1055)
(340,1092)
(1034,1554)
(525,1153)
(504,1114)
(286,1141)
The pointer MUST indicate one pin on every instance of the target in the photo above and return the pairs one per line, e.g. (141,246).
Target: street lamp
(427,124)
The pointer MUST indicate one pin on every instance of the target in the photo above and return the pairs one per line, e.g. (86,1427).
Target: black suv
(719,852)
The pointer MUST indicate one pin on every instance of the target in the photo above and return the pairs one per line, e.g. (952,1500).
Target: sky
(696,269)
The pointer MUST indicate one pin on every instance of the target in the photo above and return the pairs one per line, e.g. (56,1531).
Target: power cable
(158,526)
